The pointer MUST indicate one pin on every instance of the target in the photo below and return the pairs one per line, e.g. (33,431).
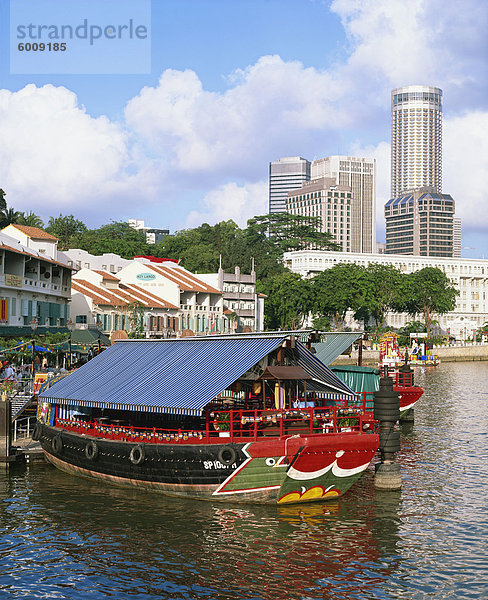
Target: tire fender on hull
(137,455)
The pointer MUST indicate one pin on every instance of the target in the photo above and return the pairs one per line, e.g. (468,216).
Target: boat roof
(179,376)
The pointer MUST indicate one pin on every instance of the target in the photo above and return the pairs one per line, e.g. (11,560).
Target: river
(64,537)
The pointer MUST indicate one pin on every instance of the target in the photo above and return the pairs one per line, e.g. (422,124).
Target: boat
(366,380)
(390,353)
(237,418)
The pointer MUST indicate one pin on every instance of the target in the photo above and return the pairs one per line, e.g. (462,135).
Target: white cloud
(232,201)
(465,173)
(54,155)
(179,140)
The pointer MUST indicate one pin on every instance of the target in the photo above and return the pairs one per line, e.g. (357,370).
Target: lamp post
(33,323)
(99,327)
(70,326)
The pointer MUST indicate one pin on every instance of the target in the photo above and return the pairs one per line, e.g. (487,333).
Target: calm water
(63,537)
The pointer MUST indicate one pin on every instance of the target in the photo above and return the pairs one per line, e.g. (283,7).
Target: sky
(231,86)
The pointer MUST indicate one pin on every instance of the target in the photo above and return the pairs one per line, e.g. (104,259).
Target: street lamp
(70,326)
(99,327)
(33,323)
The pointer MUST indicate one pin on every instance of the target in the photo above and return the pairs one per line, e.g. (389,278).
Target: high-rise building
(416,138)
(285,175)
(456,237)
(360,175)
(420,223)
(331,203)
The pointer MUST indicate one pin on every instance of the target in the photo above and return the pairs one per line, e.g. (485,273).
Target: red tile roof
(120,296)
(107,275)
(34,232)
(185,280)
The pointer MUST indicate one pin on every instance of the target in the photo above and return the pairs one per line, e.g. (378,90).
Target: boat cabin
(195,390)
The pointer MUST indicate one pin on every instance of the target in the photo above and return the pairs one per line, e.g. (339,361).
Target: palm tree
(8,216)
(30,219)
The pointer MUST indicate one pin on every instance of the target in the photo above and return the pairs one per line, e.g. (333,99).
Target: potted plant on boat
(222,424)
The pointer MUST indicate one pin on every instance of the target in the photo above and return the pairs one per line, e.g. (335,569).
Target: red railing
(237,425)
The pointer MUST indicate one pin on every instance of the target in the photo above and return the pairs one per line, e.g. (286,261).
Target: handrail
(242,425)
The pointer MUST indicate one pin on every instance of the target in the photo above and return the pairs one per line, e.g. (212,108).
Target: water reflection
(65,537)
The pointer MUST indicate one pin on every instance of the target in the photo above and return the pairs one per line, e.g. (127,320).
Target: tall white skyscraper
(359,174)
(416,138)
(285,175)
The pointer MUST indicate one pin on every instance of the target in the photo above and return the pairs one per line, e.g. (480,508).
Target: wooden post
(5,448)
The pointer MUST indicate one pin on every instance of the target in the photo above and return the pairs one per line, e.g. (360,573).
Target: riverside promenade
(459,353)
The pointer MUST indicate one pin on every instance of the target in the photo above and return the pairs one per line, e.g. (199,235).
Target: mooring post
(5,447)
(387,412)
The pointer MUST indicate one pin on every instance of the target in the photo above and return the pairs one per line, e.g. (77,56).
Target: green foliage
(339,289)
(117,238)
(30,219)
(381,287)
(322,323)
(288,300)
(66,229)
(426,292)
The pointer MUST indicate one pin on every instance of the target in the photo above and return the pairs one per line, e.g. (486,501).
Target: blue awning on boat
(333,344)
(174,376)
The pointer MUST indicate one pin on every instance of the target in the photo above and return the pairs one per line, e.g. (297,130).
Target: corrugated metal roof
(333,344)
(173,376)
(321,374)
(176,376)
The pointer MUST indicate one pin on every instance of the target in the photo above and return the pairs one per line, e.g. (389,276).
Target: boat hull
(275,470)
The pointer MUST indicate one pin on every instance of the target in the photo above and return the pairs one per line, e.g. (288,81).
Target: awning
(176,376)
(172,376)
(333,344)
(324,379)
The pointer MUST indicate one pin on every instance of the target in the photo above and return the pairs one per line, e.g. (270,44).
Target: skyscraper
(420,222)
(285,175)
(416,138)
(322,198)
(360,175)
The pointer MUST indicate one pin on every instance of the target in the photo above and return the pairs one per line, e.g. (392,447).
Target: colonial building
(243,306)
(35,282)
(200,304)
(468,275)
(99,297)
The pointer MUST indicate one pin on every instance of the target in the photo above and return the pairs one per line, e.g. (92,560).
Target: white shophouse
(468,275)
(35,282)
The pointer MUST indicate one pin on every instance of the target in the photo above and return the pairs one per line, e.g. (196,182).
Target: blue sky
(234,85)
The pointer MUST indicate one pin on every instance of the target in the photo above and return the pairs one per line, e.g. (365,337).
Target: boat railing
(236,425)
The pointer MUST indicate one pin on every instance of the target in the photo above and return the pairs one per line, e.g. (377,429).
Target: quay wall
(445,353)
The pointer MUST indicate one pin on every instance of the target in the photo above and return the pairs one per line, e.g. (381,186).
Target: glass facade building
(285,175)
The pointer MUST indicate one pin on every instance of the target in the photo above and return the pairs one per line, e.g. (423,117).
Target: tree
(30,219)
(339,289)
(66,229)
(287,232)
(288,300)
(9,217)
(382,284)
(427,292)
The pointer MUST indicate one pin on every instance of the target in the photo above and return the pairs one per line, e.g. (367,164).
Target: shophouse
(35,282)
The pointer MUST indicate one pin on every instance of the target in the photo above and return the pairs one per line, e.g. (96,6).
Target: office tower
(416,138)
(420,222)
(360,175)
(285,175)
(456,242)
(330,202)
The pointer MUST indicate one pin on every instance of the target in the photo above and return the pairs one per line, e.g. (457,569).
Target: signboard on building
(146,276)
(13,280)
